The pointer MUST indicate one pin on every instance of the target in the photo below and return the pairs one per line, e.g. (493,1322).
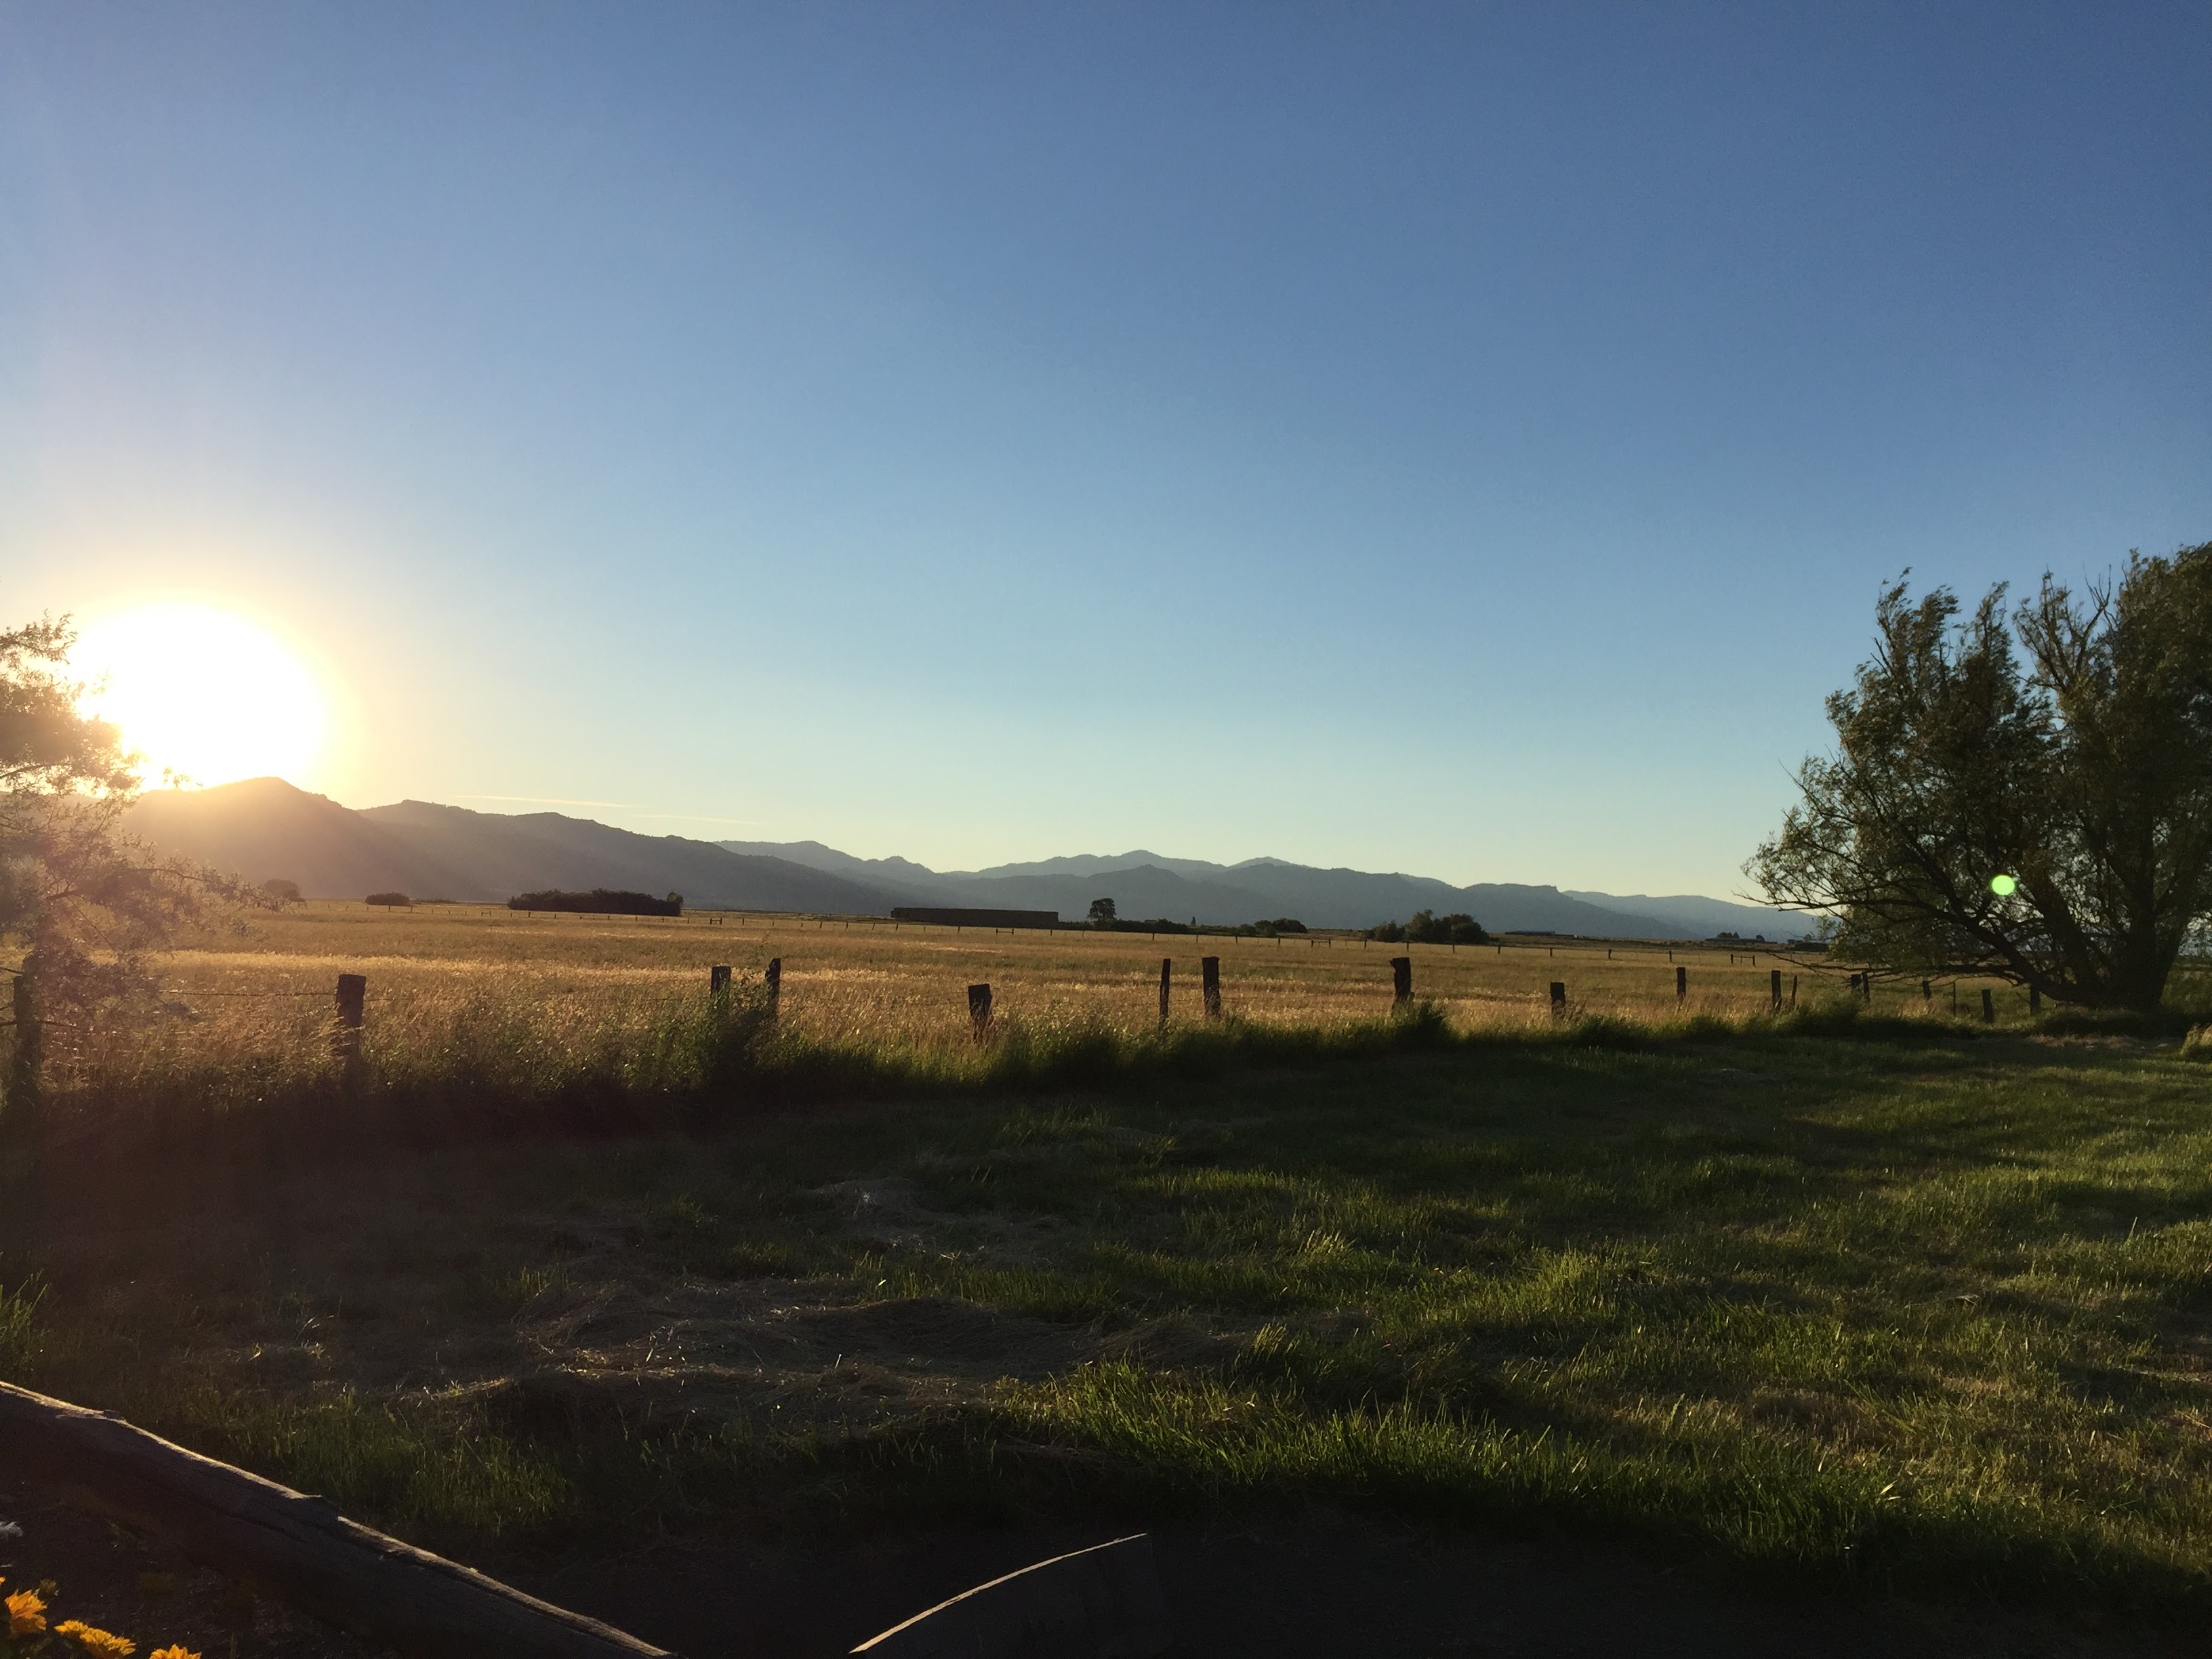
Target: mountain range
(265,828)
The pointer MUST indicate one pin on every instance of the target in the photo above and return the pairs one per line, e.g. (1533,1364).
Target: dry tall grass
(480,1005)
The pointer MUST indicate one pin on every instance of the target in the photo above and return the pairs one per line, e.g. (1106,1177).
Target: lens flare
(2003,886)
(202,693)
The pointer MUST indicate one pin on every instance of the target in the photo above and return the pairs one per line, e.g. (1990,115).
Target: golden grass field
(269,979)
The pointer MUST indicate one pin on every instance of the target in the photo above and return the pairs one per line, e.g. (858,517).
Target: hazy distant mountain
(1140,893)
(1696,917)
(902,873)
(1092,863)
(1144,884)
(266,827)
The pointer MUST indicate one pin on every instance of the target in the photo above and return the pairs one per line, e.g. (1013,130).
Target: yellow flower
(105,1644)
(176,1652)
(27,1613)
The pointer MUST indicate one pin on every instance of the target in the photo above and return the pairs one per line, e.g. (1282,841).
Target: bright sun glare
(202,693)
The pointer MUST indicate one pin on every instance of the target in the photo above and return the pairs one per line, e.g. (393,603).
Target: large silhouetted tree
(2028,796)
(80,899)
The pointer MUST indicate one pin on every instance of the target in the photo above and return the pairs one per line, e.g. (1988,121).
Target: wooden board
(289,1545)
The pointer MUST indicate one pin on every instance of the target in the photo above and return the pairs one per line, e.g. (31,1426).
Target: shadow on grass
(1820,1294)
(701,1064)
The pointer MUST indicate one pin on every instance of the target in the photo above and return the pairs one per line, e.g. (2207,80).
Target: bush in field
(280,892)
(1458,928)
(1427,927)
(390,900)
(1279,926)
(600,901)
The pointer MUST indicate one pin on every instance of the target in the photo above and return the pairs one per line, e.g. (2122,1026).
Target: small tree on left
(80,899)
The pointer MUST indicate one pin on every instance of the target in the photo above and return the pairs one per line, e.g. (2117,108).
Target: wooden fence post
(1774,985)
(1559,999)
(1793,990)
(1167,973)
(1209,980)
(773,979)
(2035,1002)
(978,1010)
(1681,981)
(1401,980)
(1989,1007)
(1927,991)
(345,1038)
(718,980)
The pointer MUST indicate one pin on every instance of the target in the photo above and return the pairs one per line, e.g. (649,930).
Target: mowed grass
(1909,1308)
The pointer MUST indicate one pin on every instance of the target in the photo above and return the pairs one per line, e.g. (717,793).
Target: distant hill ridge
(265,828)
(1143,883)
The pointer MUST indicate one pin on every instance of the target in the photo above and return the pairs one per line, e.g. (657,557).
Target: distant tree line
(1426,927)
(601,902)
(1103,917)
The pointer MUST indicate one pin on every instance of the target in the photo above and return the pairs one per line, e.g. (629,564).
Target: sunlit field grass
(479,1001)
(842,975)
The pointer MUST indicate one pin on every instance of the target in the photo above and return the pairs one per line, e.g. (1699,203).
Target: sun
(202,693)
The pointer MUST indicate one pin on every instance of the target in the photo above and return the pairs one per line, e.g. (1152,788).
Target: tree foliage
(600,901)
(1426,927)
(80,900)
(2025,795)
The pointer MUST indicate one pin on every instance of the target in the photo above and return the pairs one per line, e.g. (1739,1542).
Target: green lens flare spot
(2003,886)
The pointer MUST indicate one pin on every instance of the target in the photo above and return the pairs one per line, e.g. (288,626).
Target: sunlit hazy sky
(1465,438)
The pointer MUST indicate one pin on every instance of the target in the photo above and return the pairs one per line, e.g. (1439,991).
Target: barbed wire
(186,995)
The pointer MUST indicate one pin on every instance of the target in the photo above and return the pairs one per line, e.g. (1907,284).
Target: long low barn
(978,918)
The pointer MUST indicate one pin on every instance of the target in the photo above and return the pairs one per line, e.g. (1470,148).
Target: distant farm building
(936,918)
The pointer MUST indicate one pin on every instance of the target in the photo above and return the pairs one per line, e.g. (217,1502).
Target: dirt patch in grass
(888,1210)
(817,1351)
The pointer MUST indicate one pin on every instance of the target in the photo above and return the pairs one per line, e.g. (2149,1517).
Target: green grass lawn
(1912,1311)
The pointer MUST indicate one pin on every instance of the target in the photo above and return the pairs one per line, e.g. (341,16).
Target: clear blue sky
(1463,439)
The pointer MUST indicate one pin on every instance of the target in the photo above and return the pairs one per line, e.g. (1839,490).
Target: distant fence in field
(958,918)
